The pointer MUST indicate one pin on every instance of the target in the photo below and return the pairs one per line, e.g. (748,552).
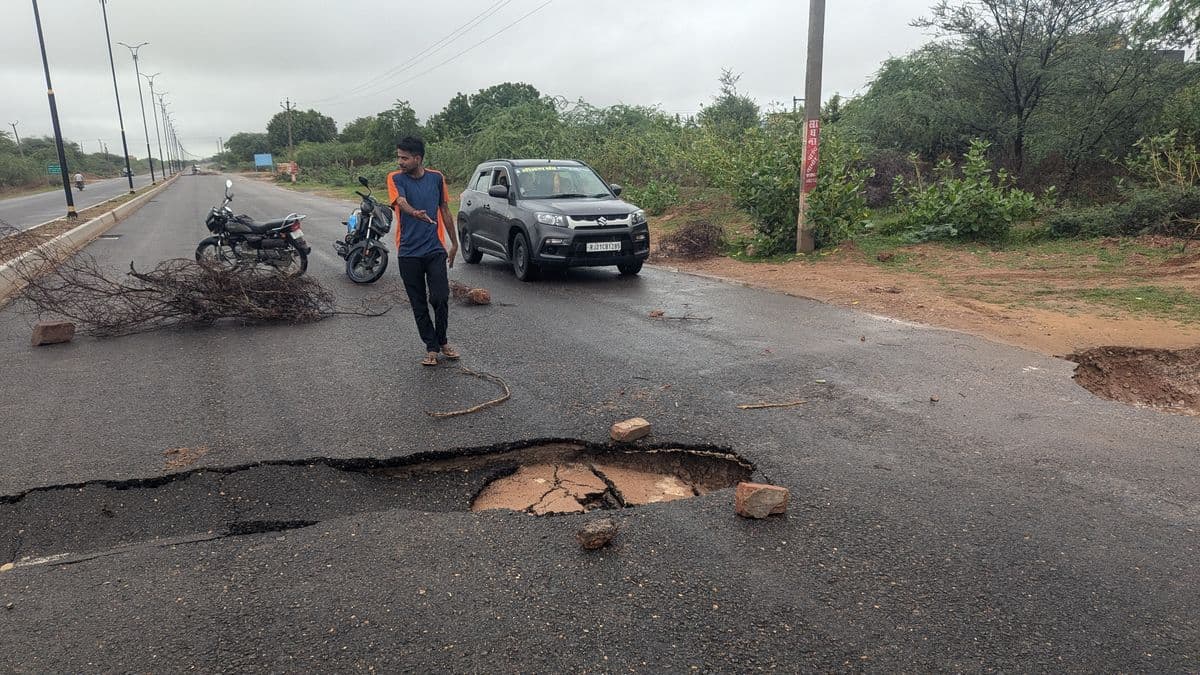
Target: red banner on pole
(812,138)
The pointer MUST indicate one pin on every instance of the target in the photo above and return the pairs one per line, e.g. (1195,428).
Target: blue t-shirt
(427,193)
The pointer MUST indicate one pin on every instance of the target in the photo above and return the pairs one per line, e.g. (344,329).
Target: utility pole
(220,145)
(16,136)
(289,107)
(150,79)
(795,101)
(805,243)
(145,127)
(112,65)
(62,155)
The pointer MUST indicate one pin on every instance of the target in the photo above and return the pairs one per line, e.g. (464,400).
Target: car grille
(612,220)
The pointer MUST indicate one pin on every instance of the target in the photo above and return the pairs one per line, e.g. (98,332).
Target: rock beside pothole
(759,500)
(52,332)
(630,430)
(597,534)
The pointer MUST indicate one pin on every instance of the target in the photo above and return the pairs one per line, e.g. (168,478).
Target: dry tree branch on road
(174,292)
(476,408)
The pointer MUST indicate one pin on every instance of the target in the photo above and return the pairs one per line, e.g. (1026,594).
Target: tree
(1016,53)
(358,130)
(504,95)
(730,113)
(456,119)
(1172,19)
(243,146)
(390,126)
(308,125)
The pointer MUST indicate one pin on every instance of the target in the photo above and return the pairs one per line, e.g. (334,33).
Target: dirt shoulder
(1055,299)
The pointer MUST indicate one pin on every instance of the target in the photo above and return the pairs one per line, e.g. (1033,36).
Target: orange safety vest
(394,195)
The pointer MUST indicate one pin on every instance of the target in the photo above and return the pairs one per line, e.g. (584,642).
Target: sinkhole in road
(580,483)
(64,524)
(1158,378)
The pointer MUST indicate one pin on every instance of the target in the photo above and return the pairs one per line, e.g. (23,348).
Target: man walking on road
(421,254)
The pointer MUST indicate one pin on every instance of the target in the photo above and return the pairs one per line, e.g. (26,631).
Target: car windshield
(559,182)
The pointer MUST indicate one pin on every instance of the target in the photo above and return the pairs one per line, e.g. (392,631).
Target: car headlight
(555,219)
(637,217)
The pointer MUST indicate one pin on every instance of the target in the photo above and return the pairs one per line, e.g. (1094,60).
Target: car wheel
(469,253)
(630,269)
(522,259)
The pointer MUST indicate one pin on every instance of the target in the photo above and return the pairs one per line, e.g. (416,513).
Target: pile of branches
(692,240)
(175,292)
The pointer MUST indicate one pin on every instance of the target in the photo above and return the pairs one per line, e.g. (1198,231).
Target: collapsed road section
(67,523)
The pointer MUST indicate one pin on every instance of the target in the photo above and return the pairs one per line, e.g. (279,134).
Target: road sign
(54,169)
(263,159)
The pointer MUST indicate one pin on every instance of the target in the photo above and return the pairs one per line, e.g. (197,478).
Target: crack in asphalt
(66,524)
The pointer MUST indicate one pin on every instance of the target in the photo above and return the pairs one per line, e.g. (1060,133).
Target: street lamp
(62,155)
(120,118)
(145,127)
(150,79)
(162,105)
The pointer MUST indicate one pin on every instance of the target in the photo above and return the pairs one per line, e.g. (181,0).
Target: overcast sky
(228,64)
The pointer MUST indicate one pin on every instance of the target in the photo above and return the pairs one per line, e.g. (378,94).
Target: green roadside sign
(54,169)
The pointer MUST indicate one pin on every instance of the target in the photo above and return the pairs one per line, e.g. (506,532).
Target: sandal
(450,353)
(430,359)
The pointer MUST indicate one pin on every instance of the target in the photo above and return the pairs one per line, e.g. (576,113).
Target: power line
(421,55)
(535,10)
(487,39)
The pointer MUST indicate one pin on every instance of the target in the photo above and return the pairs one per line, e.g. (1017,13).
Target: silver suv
(538,213)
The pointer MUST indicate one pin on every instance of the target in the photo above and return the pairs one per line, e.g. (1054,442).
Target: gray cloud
(227,64)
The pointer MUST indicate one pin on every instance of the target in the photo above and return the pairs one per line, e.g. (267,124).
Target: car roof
(536,162)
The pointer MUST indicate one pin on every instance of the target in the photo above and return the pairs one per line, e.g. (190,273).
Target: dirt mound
(1159,378)
(693,240)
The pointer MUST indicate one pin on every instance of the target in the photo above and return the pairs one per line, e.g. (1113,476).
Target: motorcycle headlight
(555,219)
(637,217)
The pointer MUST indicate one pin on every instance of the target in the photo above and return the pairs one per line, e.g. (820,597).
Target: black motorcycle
(365,255)
(238,240)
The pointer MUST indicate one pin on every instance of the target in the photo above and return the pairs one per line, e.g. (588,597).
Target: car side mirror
(616,189)
(363,181)
(498,191)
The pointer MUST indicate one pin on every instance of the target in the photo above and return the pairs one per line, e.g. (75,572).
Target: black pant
(416,272)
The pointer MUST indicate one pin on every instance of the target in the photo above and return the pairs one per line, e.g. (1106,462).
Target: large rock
(759,500)
(52,332)
(597,534)
(630,430)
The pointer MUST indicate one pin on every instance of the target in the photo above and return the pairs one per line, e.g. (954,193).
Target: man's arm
(406,208)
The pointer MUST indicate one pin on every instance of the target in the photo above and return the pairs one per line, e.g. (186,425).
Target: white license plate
(599,246)
(297,234)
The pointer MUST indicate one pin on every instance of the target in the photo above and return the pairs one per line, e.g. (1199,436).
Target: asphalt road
(25,212)
(1017,523)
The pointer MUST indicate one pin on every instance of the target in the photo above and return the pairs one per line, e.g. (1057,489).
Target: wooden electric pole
(805,243)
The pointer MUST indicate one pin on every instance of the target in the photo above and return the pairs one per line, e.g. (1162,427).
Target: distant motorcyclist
(79,181)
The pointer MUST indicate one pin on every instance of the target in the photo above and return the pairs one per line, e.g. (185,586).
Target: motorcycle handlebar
(360,194)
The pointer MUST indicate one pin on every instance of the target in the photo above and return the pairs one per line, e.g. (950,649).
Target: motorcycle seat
(260,228)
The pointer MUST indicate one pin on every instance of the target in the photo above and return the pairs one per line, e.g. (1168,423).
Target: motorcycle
(79,185)
(238,239)
(365,255)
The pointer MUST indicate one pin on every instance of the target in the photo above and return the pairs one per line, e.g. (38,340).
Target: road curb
(75,239)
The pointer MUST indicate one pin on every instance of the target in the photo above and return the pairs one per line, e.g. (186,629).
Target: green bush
(762,172)
(974,206)
(1171,210)
(655,197)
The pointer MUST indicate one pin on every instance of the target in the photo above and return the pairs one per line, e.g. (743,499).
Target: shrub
(654,197)
(1171,210)
(973,206)
(693,239)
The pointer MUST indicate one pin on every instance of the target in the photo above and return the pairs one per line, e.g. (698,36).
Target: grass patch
(1167,303)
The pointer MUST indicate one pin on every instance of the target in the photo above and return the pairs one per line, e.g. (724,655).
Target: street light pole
(117,94)
(805,241)
(145,127)
(62,155)
(150,79)
(162,104)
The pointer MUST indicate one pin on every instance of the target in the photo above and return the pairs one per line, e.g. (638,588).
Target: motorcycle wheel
(366,263)
(212,252)
(298,265)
